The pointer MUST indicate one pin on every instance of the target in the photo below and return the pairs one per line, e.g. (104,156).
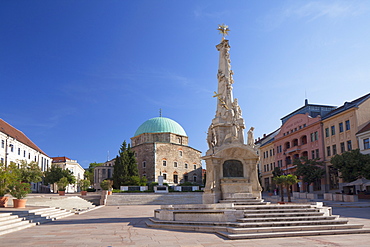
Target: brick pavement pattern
(125,226)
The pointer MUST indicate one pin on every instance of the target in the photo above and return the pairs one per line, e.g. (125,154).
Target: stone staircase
(266,221)
(16,220)
(11,223)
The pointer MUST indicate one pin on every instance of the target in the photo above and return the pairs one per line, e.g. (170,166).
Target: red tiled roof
(60,159)
(365,128)
(18,135)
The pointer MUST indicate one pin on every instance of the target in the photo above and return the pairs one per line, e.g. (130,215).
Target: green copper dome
(160,125)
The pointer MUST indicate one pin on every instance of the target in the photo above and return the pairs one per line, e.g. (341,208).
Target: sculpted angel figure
(250,141)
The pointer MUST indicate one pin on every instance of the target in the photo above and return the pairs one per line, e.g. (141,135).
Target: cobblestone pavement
(125,226)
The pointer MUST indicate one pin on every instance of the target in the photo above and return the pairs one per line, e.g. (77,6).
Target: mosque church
(161,148)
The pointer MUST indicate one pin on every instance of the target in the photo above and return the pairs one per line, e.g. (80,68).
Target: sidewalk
(125,226)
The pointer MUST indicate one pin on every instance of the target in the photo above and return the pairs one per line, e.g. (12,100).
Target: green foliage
(285,181)
(55,173)
(309,170)
(26,173)
(19,189)
(5,179)
(187,184)
(62,183)
(352,165)
(125,168)
(106,184)
(84,184)
(277,172)
(89,172)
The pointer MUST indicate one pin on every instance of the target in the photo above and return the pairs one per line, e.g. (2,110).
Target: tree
(352,165)
(279,180)
(125,167)
(309,170)
(55,173)
(27,172)
(89,172)
(288,181)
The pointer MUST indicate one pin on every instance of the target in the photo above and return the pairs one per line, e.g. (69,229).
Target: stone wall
(180,160)
(154,199)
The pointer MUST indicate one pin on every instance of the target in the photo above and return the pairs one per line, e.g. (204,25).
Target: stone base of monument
(160,189)
(254,221)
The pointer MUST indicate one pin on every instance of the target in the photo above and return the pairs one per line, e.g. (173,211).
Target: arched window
(295,142)
(287,145)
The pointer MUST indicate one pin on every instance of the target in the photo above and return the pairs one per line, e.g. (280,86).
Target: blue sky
(79,77)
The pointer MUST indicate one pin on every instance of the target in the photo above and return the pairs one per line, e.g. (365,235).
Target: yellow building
(339,130)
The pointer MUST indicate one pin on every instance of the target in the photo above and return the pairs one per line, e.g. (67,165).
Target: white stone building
(72,165)
(16,146)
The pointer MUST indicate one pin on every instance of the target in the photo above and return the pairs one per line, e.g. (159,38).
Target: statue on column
(250,141)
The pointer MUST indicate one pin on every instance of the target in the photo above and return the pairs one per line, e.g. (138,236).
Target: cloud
(202,12)
(313,10)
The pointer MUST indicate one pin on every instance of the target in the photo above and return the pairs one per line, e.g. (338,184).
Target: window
(180,153)
(287,145)
(2,143)
(11,147)
(342,148)
(366,143)
(349,145)
(110,173)
(164,176)
(264,168)
(313,154)
(328,151)
(332,130)
(29,155)
(195,178)
(175,178)
(348,126)
(295,142)
(144,164)
(316,135)
(195,167)
(24,153)
(164,163)
(19,151)
(317,154)
(334,149)
(175,164)
(326,132)
(186,166)
(304,140)
(340,127)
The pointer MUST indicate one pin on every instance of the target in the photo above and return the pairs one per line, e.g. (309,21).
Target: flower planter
(4,201)
(83,193)
(19,203)
(61,193)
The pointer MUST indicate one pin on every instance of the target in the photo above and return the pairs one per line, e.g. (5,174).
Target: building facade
(16,146)
(161,148)
(103,172)
(316,132)
(73,166)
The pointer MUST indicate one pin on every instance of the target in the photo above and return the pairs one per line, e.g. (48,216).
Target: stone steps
(306,218)
(42,215)
(292,233)
(274,215)
(11,223)
(292,228)
(261,221)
